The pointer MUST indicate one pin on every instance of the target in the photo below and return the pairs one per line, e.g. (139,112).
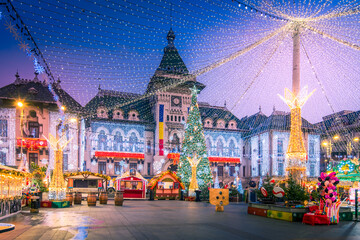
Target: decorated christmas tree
(194,147)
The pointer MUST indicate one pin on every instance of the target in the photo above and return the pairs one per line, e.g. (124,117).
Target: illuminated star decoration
(296,101)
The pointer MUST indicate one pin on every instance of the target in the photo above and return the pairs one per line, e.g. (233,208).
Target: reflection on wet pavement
(162,220)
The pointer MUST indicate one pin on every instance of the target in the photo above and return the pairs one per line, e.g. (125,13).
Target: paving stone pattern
(165,220)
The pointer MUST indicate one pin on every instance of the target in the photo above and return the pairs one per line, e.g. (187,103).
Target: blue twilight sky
(119,45)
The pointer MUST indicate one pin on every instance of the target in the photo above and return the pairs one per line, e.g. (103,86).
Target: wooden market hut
(86,182)
(166,185)
(132,184)
(11,186)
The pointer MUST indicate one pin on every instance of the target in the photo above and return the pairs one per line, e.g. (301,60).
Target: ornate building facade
(118,131)
(28,114)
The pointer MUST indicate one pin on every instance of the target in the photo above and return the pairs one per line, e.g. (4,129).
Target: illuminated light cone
(295,99)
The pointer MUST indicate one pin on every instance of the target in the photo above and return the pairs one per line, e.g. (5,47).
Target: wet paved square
(164,220)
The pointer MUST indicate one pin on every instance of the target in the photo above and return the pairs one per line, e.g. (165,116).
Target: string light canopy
(247,44)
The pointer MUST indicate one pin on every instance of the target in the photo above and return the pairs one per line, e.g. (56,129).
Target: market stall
(166,185)
(11,185)
(132,184)
(348,172)
(86,182)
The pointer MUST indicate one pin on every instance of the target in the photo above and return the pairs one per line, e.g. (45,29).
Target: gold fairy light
(57,188)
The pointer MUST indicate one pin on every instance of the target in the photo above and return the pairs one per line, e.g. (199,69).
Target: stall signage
(119,154)
(224,159)
(33,143)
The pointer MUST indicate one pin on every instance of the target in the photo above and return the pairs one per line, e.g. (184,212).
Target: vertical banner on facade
(161,130)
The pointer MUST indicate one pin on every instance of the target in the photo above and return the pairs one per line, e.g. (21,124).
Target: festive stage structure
(295,99)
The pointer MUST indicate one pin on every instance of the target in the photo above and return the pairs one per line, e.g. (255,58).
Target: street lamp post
(20,105)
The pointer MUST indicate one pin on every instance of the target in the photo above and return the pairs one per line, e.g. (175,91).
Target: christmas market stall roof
(164,175)
(38,91)
(86,175)
(110,99)
(127,174)
(13,171)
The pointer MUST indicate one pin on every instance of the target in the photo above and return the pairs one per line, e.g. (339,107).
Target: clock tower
(171,98)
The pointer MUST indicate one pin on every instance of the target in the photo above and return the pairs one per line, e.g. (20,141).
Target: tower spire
(171,19)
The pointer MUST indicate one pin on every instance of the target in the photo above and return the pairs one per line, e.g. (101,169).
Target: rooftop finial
(225,104)
(259,108)
(17,78)
(99,88)
(274,109)
(170,37)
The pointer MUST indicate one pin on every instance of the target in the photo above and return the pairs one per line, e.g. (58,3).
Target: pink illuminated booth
(132,184)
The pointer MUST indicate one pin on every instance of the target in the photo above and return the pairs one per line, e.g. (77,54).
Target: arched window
(133,115)
(118,114)
(102,112)
(220,123)
(133,140)
(231,148)
(175,143)
(208,145)
(219,148)
(102,139)
(118,142)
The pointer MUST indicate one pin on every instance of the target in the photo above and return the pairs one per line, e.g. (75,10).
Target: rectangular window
(312,170)
(231,171)
(117,168)
(133,165)
(311,149)
(2,158)
(280,147)
(220,171)
(3,128)
(148,168)
(33,158)
(259,169)
(244,171)
(65,161)
(148,147)
(102,167)
(33,130)
(84,166)
(167,117)
(260,149)
(280,168)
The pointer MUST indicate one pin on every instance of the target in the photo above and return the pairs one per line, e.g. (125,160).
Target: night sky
(119,45)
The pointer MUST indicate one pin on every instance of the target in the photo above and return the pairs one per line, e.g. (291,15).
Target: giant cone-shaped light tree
(295,99)
(194,167)
(57,188)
